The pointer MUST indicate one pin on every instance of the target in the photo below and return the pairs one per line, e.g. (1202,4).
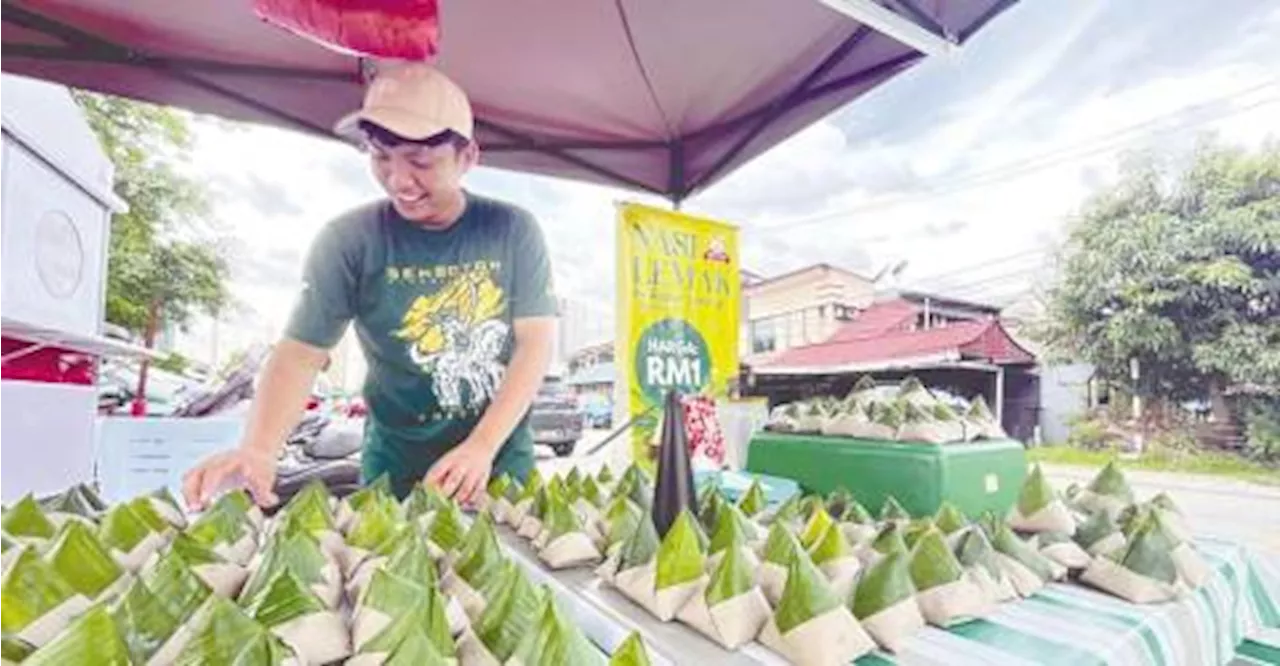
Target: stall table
(1232,620)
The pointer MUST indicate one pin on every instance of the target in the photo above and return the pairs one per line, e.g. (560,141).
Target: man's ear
(469,155)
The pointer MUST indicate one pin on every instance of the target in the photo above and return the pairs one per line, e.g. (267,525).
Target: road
(1236,510)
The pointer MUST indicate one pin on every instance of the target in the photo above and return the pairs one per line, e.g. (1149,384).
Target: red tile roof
(881,336)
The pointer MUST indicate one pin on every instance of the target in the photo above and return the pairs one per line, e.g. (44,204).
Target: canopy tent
(658,96)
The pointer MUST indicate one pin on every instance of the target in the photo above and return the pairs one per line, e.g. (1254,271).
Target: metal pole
(1000,395)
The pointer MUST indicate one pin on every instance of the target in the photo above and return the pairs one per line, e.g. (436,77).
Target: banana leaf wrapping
(892,511)
(851,420)
(887,540)
(671,576)
(843,507)
(421,504)
(884,420)
(729,608)
(223,576)
(837,560)
(80,559)
(753,502)
(511,614)
(930,422)
(779,551)
(1109,491)
(79,502)
(150,626)
(605,475)
(479,559)
(26,522)
(631,652)
(982,565)
(980,423)
(622,519)
(567,542)
(446,531)
(128,537)
(37,602)
(405,552)
(372,525)
(412,639)
(915,529)
(783,418)
(524,501)
(811,624)
(732,530)
(554,641)
(811,418)
(390,596)
(14,650)
(949,519)
(349,506)
(165,505)
(229,532)
(92,639)
(300,554)
(169,582)
(1026,567)
(885,602)
(1172,517)
(818,524)
(292,611)
(239,502)
(1039,509)
(1099,535)
(531,524)
(225,636)
(945,595)
(1058,547)
(1144,571)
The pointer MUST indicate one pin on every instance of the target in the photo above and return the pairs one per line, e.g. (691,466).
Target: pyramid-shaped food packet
(927,423)
(567,542)
(510,615)
(1144,572)
(390,596)
(292,612)
(222,576)
(1059,548)
(554,641)
(631,652)
(524,501)
(223,635)
(667,582)
(153,633)
(811,625)
(1039,509)
(949,518)
(620,520)
(299,554)
(38,603)
(888,540)
(406,553)
(444,536)
(371,526)
(945,595)
(1109,491)
(79,502)
(732,530)
(227,532)
(1099,535)
(27,522)
(638,550)
(915,529)
(731,609)
(531,524)
(779,550)
(753,501)
(79,558)
(884,420)
(378,491)
(1027,569)
(982,565)
(1193,571)
(416,637)
(885,602)
(92,639)
(128,537)
(980,422)
(172,582)
(837,560)
(892,511)
(479,559)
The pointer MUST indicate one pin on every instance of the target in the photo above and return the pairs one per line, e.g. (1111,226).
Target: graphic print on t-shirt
(457,334)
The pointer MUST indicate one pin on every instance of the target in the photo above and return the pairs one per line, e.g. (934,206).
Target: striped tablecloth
(1231,620)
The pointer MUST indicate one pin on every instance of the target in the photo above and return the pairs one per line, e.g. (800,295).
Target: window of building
(763,336)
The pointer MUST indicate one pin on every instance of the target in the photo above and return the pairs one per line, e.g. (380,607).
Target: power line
(1100,144)
(979,266)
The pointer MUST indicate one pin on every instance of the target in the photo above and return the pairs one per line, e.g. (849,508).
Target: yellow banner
(679,295)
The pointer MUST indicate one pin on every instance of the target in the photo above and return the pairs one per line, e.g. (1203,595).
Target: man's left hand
(462,473)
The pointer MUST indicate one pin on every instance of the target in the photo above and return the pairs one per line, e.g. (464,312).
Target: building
(581,325)
(816,330)
(799,308)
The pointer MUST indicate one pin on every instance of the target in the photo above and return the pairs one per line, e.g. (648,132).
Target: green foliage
(1179,268)
(164,266)
(174,362)
(1262,427)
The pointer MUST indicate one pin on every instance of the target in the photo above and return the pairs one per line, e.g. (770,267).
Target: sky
(967,168)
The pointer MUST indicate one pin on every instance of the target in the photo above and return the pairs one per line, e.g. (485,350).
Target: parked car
(597,412)
(555,418)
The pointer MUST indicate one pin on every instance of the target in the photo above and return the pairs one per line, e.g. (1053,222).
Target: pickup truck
(555,418)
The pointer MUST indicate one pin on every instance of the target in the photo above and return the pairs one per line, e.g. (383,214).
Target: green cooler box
(976,477)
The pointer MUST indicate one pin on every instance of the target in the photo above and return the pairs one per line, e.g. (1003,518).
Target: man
(451,296)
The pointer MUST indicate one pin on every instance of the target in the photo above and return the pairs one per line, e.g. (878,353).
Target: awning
(652,95)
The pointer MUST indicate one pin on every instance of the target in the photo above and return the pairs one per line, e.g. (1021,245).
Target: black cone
(674,491)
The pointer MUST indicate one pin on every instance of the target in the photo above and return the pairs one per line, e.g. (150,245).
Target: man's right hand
(257,469)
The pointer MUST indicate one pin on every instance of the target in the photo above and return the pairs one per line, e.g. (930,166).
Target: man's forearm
(529,362)
(282,395)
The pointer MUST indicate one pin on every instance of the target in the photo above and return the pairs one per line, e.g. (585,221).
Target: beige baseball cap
(412,100)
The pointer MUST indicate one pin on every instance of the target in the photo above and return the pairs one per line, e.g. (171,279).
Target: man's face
(423,182)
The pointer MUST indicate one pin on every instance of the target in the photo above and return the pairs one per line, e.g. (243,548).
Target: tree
(1178,268)
(165,265)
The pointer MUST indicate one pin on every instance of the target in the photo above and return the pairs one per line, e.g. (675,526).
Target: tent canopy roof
(659,96)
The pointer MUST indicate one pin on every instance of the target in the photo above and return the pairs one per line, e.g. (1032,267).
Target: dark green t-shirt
(433,311)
